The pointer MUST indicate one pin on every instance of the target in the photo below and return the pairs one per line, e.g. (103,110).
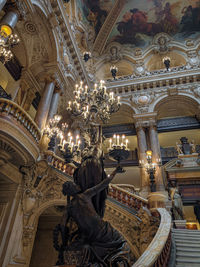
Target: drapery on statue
(99,242)
(177,205)
(90,173)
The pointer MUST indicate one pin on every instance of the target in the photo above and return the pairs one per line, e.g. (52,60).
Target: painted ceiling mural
(141,20)
(94,12)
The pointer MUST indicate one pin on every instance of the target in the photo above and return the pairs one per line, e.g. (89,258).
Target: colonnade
(147,138)
(48,103)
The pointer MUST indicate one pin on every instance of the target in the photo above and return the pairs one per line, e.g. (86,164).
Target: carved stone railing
(158,252)
(59,163)
(129,199)
(130,188)
(155,79)
(14,111)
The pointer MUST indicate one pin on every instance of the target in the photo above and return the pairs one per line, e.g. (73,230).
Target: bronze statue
(99,242)
(90,173)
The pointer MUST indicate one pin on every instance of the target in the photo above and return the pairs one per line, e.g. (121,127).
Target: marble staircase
(187,244)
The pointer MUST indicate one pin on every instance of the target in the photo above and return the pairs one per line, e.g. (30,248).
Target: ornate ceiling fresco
(94,12)
(140,20)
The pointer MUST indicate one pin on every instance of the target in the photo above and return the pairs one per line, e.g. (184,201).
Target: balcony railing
(59,163)
(155,79)
(129,199)
(14,111)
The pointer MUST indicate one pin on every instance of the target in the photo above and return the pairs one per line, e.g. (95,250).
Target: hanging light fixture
(6,43)
(113,70)
(86,56)
(167,61)
(93,104)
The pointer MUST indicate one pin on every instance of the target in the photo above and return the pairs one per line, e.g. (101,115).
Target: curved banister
(158,252)
(12,109)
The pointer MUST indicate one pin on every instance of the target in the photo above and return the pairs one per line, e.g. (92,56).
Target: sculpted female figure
(101,243)
(177,205)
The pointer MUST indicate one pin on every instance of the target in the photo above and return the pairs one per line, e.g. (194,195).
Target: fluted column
(44,105)
(2,4)
(156,155)
(54,104)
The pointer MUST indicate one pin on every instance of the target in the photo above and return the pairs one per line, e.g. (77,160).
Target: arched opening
(43,253)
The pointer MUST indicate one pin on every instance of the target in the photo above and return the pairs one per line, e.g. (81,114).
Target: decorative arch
(124,115)
(175,105)
(50,203)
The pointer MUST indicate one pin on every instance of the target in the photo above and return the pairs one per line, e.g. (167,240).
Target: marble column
(44,105)
(54,104)
(156,156)
(10,19)
(142,147)
(2,4)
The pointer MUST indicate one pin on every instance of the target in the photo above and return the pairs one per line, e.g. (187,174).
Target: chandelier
(67,146)
(93,104)
(6,43)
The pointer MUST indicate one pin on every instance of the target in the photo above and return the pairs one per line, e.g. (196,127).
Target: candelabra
(6,43)
(86,56)
(69,147)
(118,149)
(166,61)
(94,104)
(113,70)
(52,130)
(150,168)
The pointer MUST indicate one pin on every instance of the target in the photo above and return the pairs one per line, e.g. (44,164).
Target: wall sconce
(166,61)
(113,70)
(86,56)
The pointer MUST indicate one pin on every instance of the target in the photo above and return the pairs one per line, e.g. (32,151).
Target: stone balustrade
(59,163)
(158,252)
(10,109)
(154,79)
(129,199)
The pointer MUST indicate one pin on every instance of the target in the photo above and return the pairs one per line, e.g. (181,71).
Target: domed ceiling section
(140,21)
(115,31)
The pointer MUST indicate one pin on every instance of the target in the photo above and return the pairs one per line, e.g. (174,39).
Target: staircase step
(188,254)
(188,260)
(186,240)
(178,237)
(186,265)
(185,231)
(192,245)
(188,249)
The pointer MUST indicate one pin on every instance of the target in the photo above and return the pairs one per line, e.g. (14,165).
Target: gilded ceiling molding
(107,27)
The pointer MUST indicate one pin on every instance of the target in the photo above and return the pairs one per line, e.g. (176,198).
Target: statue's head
(70,189)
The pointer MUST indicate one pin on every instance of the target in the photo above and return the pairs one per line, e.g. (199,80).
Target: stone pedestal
(157,200)
(180,224)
